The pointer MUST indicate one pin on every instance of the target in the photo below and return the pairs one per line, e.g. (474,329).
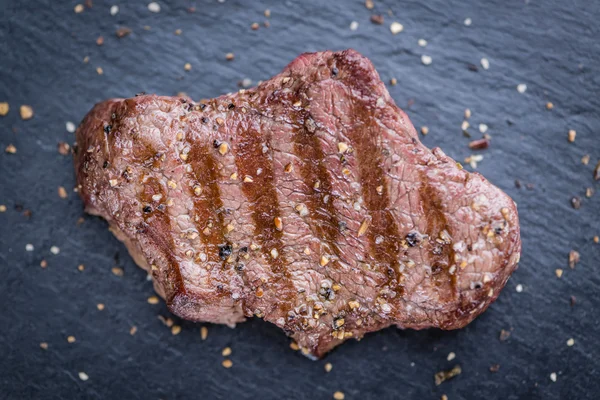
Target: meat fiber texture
(307,201)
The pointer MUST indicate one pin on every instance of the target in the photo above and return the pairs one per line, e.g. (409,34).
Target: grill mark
(436,223)
(322,216)
(157,225)
(364,137)
(262,197)
(208,205)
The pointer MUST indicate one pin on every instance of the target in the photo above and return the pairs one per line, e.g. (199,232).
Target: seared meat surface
(308,201)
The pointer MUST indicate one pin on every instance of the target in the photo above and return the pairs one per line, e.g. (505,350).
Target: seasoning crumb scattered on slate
(254,26)
(596,239)
(226,352)
(585,159)
(133,330)
(78,8)
(328,367)
(353,25)
(117,271)
(558,272)
(597,172)
(83,376)
(444,397)
(178,32)
(44,346)
(81,267)
(229,56)
(519,288)
(574,258)
(62,192)
(154,7)
(377,19)
(100,306)
(227,363)
(576,202)
(294,346)
(43,263)
(2,208)
(572,135)
(479,144)
(122,32)
(442,376)
(63,148)
(54,250)
(573,300)
(339,395)
(203,332)
(114,10)
(589,192)
(571,342)
(86,59)
(424,130)
(549,106)
(485,63)
(99,70)
(393,81)
(504,335)
(71,339)
(26,112)
(152,300)
(495,368)
(11,149)
(521,88)
(175,329)
(468,21)
(187,67)
(483,128)
(100,40)
(267,13)
(4,107)
(422,42)
(29,247)
(553,376)
(369,4)
(451,356)
(426,60)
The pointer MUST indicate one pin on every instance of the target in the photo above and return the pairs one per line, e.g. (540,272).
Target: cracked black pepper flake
(225,251)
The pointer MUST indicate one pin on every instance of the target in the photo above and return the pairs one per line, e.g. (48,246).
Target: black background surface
(552,46)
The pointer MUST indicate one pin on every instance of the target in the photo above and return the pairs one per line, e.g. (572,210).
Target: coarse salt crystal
(154,7)
(396,27)
(485,63)
(70,127)
(353,25)
(29,247)
(521,87)
(426,60)
(54,250)
(468,21)
(114,10)
(422,42)
(519,288)
(483,128)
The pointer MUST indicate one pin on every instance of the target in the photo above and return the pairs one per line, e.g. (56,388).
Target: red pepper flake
(479,144)
(123,31)
(377,19)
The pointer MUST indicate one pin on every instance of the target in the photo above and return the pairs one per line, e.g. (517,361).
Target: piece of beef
(307,201)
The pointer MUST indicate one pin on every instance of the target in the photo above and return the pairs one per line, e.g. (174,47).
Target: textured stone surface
(552,47)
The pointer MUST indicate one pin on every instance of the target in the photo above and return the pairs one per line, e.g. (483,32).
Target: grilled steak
(307,201)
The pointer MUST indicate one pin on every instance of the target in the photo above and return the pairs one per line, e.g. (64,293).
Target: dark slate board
(552,46)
